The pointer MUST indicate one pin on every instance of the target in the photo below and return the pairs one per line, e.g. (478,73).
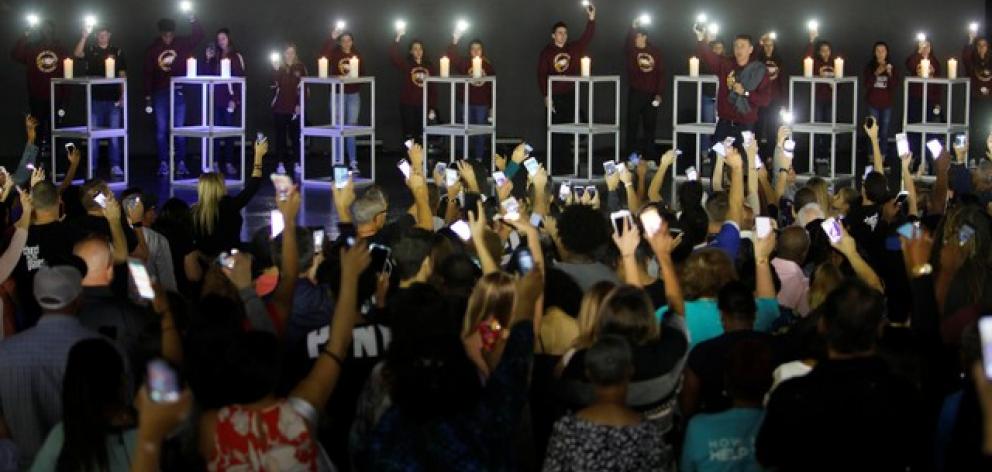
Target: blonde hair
(589,312)
(822,190)
(826,278)
(209,190)
(493,296)
(705,272)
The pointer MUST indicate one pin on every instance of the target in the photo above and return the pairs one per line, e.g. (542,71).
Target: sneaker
(182,171)
(297,170)
(116,171)
(229,169)
(163,169)
(354,166)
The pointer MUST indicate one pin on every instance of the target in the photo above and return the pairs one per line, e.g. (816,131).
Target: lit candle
(808,67)
(838,67)
(67,68)
(225,68)
(191,67)
(476,67)
(952,68)
(445,66)
(693,66)
(925,68)
(353,67)
(110,67)
(586,67)
(322,68)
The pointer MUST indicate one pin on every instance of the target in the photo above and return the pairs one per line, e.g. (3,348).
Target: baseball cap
(57,287)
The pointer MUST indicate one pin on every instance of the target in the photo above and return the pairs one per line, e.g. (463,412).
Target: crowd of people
(756,324)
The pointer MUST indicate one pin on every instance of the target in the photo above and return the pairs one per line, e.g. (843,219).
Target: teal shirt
(120,448)
(702,318)
(722,442)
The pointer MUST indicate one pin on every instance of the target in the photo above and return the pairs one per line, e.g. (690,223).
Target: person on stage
(881,81)
(480,93)
(227,99)
(742,87)
(286,76)
(561,57)
(415,67)
(916,108)
(339,49)
(42,57)
(777,82)
(166,58)
(106,108)
(646,74)
(978,65)
(823,56)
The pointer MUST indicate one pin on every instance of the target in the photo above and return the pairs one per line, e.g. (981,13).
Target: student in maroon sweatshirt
(286,76)
(105,110)
(227,98)
(768,53)
(561,57)
(166,58)
(42,57)
(339,49)
(823,56)
(881,80)
(414,68)
(916,107)
(978,65)
(480,94)
(737,105)
(646,73)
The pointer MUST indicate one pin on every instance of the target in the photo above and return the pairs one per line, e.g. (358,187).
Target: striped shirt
(31,367)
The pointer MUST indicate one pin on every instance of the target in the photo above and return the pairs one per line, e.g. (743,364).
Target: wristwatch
(922,269)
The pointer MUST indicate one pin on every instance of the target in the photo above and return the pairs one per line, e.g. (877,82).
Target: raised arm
(716,183)
(849,249)
(255,181)
(395,56)
(289,269)
(112,212)
(654,190)
(663,244)
(736,211)
(876,150)
(627,245)
(587,34)
(764,286)
(477,223)
(79,51)
(910,184)
(633,202)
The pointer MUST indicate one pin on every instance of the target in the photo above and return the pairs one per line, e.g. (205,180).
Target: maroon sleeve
(809,51)
(397,59)
(542,74)
(761,96)
(712,60)
(328,48)
(238,66)
(20,51)
(912,62)
(869,75)
(935,64)
(586,38)
(628,44)
(459,62)
(196,34)
(966,53)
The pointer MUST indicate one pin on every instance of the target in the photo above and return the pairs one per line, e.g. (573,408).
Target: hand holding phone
(162,383)
(902,144)
(762,226)
(142,281)
(691,174)
(833,230)
(651,221)
(618,218)
(404,166)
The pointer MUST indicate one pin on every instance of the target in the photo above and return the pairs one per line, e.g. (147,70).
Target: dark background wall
(514,32)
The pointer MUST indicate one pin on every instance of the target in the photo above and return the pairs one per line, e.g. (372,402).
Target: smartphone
(610,167)
(762,226)
(902,144)
(139,274)
(499,178)
(960,140)
(69,147)
(579,192)
(564,191)
(440,167)
(408,143)
(100,199)
(461,228)
(789,145)
(531,165)
(450,177)
(318,240)
(868,170)
(832,227)
(985,333)
(869,121)
(720,149)
(678,152)
(227,260)
(276,223)
(691,174)
(591,190)
(748,137)
(536,220)
(618,218)
(528,149)
(965,234)
(757,163)
(935,148)
(907,230)
(341,175)
(902,197)
(651,221)
(260,138)
(132,201)
(162,382)
(634,159)
(729,141)
(380,257)
(511,209)
(404,166)
(282,183)
(525,261)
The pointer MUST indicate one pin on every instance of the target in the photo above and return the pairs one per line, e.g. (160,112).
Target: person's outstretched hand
(631,238)
(290,207)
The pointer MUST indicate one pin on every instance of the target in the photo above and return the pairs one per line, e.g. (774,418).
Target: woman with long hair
(881,80)
(286,75)
(978,66)
(339,49)
(916,109)
(97,429)
(413,68)
(216,215)
(227,97)
(489,309)
(480,94)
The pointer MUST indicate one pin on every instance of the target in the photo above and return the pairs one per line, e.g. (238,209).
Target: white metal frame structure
(206,131)
(453,129)
(336,131)
(698,128)
(946,128)
(833,128)
(89,131)
(589,128)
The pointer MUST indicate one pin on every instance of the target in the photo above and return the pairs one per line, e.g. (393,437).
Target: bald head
(98,255)
(793,244)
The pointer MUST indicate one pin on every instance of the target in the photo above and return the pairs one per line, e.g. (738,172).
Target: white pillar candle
(110,68)
(322,68)
(925,68)
(476,67)
(586,69)
(67,68)
(353,67)
(445,67)
(693,66)
(191,67)
(808,67)
(952,68)
(225,68)
(838,67)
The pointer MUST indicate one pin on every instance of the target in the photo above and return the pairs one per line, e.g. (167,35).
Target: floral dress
(579,445)
(269,440)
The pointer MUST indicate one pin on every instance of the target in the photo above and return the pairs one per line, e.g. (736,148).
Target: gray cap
(57,287)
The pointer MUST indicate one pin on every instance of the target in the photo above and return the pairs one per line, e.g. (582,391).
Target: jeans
(883,116)
(160,105)
(287,127)
(823,113)
(412,120)
(914,114)
(641,111)
(348,108)
(108,115)
(223,118)
(477,115)
(707,108)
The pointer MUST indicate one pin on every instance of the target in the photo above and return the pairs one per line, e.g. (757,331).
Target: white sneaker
(116,171)
(297,169)
(181,169)
(163,169)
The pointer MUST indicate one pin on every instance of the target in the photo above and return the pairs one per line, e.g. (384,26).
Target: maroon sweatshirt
(338,62)
(645,69)
(821,68)
(565,60)
(880,89)
(43,61)
(225,93)
(979,69)
(163,61)
(726,68)
(916,90)
(286,87)
(776,80)
(480,93)
(411,93)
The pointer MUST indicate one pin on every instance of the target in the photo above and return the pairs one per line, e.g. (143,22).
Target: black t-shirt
(47,245)
(708,361)
(90,224)
(656,291)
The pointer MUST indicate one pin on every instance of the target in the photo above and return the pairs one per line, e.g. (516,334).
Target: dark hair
(852,315)
(820,44)
(583,229)
(609,361)
(745,37)
(876,188)
(424,59)
(230,42)
(735,300)
(804,196)
(458,274)
(304,248)
(717,207)
(793,244)
(92,394)
(560,24)
(476,41)
(627,311)
(166,25)
(560,290)
(44,195)
(410,251)
(690,195)
(748,372)
(346,33)
(873,62)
